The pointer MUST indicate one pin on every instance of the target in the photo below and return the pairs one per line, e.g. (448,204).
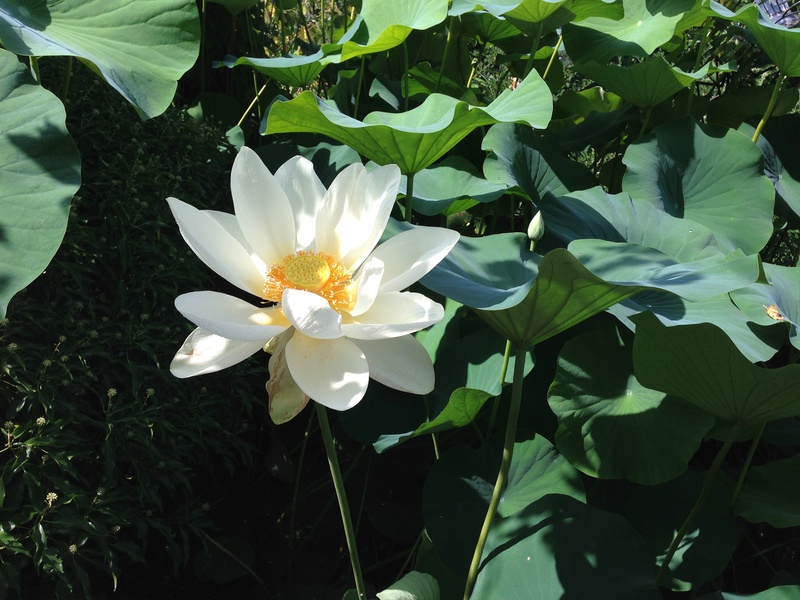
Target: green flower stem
(409,208)
(746,466)
(770,107)
(505,466)
(553,56)
(496,401)
(453,31)
(534,47)
(705,492)
(338,484)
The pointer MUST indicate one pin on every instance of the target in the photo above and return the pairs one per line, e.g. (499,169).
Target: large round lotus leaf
(39,174)
(416,138)
(563,294)
(658,512)
(609,425)
(771,494)
(781,44)
(635,265)
(141,48)
(460,483)
(559,548)
(707,174)
(644,26)
(532,162)
(295,71)
(596,214)
(783,592)
(700,364)
(774,303)
(755,342)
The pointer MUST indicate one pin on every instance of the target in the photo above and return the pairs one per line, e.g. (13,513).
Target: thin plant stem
(360,85)
(496,402)
(448,48)
(746,467)
(645,121)
(341,496)
(534,48)
(296,491)
(770,107)
(405,79)
(434,437)
(249,108)
(236,559)
(202,46)
(702,498)
(67,79)
(409,207)
(553,56)
(505,466)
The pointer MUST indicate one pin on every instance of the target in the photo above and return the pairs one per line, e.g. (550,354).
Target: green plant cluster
(103,452)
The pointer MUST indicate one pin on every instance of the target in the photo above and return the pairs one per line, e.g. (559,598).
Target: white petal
(355,211)
(262,208)
(400,363)
(231,317)
(311,314)
(410,255)
(305,192)
(394,314)
(286,399)
(331,372)
(368,281)
(231,225)
(216,247)
(203,352)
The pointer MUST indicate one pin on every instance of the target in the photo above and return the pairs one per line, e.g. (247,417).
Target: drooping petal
(311,314)
(203,352)
(355,211)
(410,255)
(216,247)
(368,281)
(400,363)
(393,315)
(262,208)
(332,372)
(286,399)
(305,192)
(231,317)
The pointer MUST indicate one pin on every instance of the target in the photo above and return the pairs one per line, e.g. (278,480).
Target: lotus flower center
(309,272)
(315,272)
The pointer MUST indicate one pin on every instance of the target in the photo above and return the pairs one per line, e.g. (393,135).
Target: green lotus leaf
(644,26)
(563,294)
(707,174)
(438,187)
(781,44)
(771,494)
(782,592)
(141,48)
(487,27)
(295,71)
(417,138)
(701,364)
(559,547)
(755,342)
(634,265)
(612,427)
(777,303)
(384,25)
(533,163)
(459,487)
(658,511)
(594,213)
(39,173)
(735,106)
(644,84)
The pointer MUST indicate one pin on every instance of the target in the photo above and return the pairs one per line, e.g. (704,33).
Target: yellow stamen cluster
(316,272)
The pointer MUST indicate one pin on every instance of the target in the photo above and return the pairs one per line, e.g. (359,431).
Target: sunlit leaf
(39,174)
(141,48)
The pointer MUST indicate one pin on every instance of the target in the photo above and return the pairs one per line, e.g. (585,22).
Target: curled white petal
(231,317)
(401,363)
(305,192)
(395,314)
(410,255)
(311,314)
(203,352)
(332,372)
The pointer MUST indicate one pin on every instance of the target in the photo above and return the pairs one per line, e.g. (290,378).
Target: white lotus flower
(333,313)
